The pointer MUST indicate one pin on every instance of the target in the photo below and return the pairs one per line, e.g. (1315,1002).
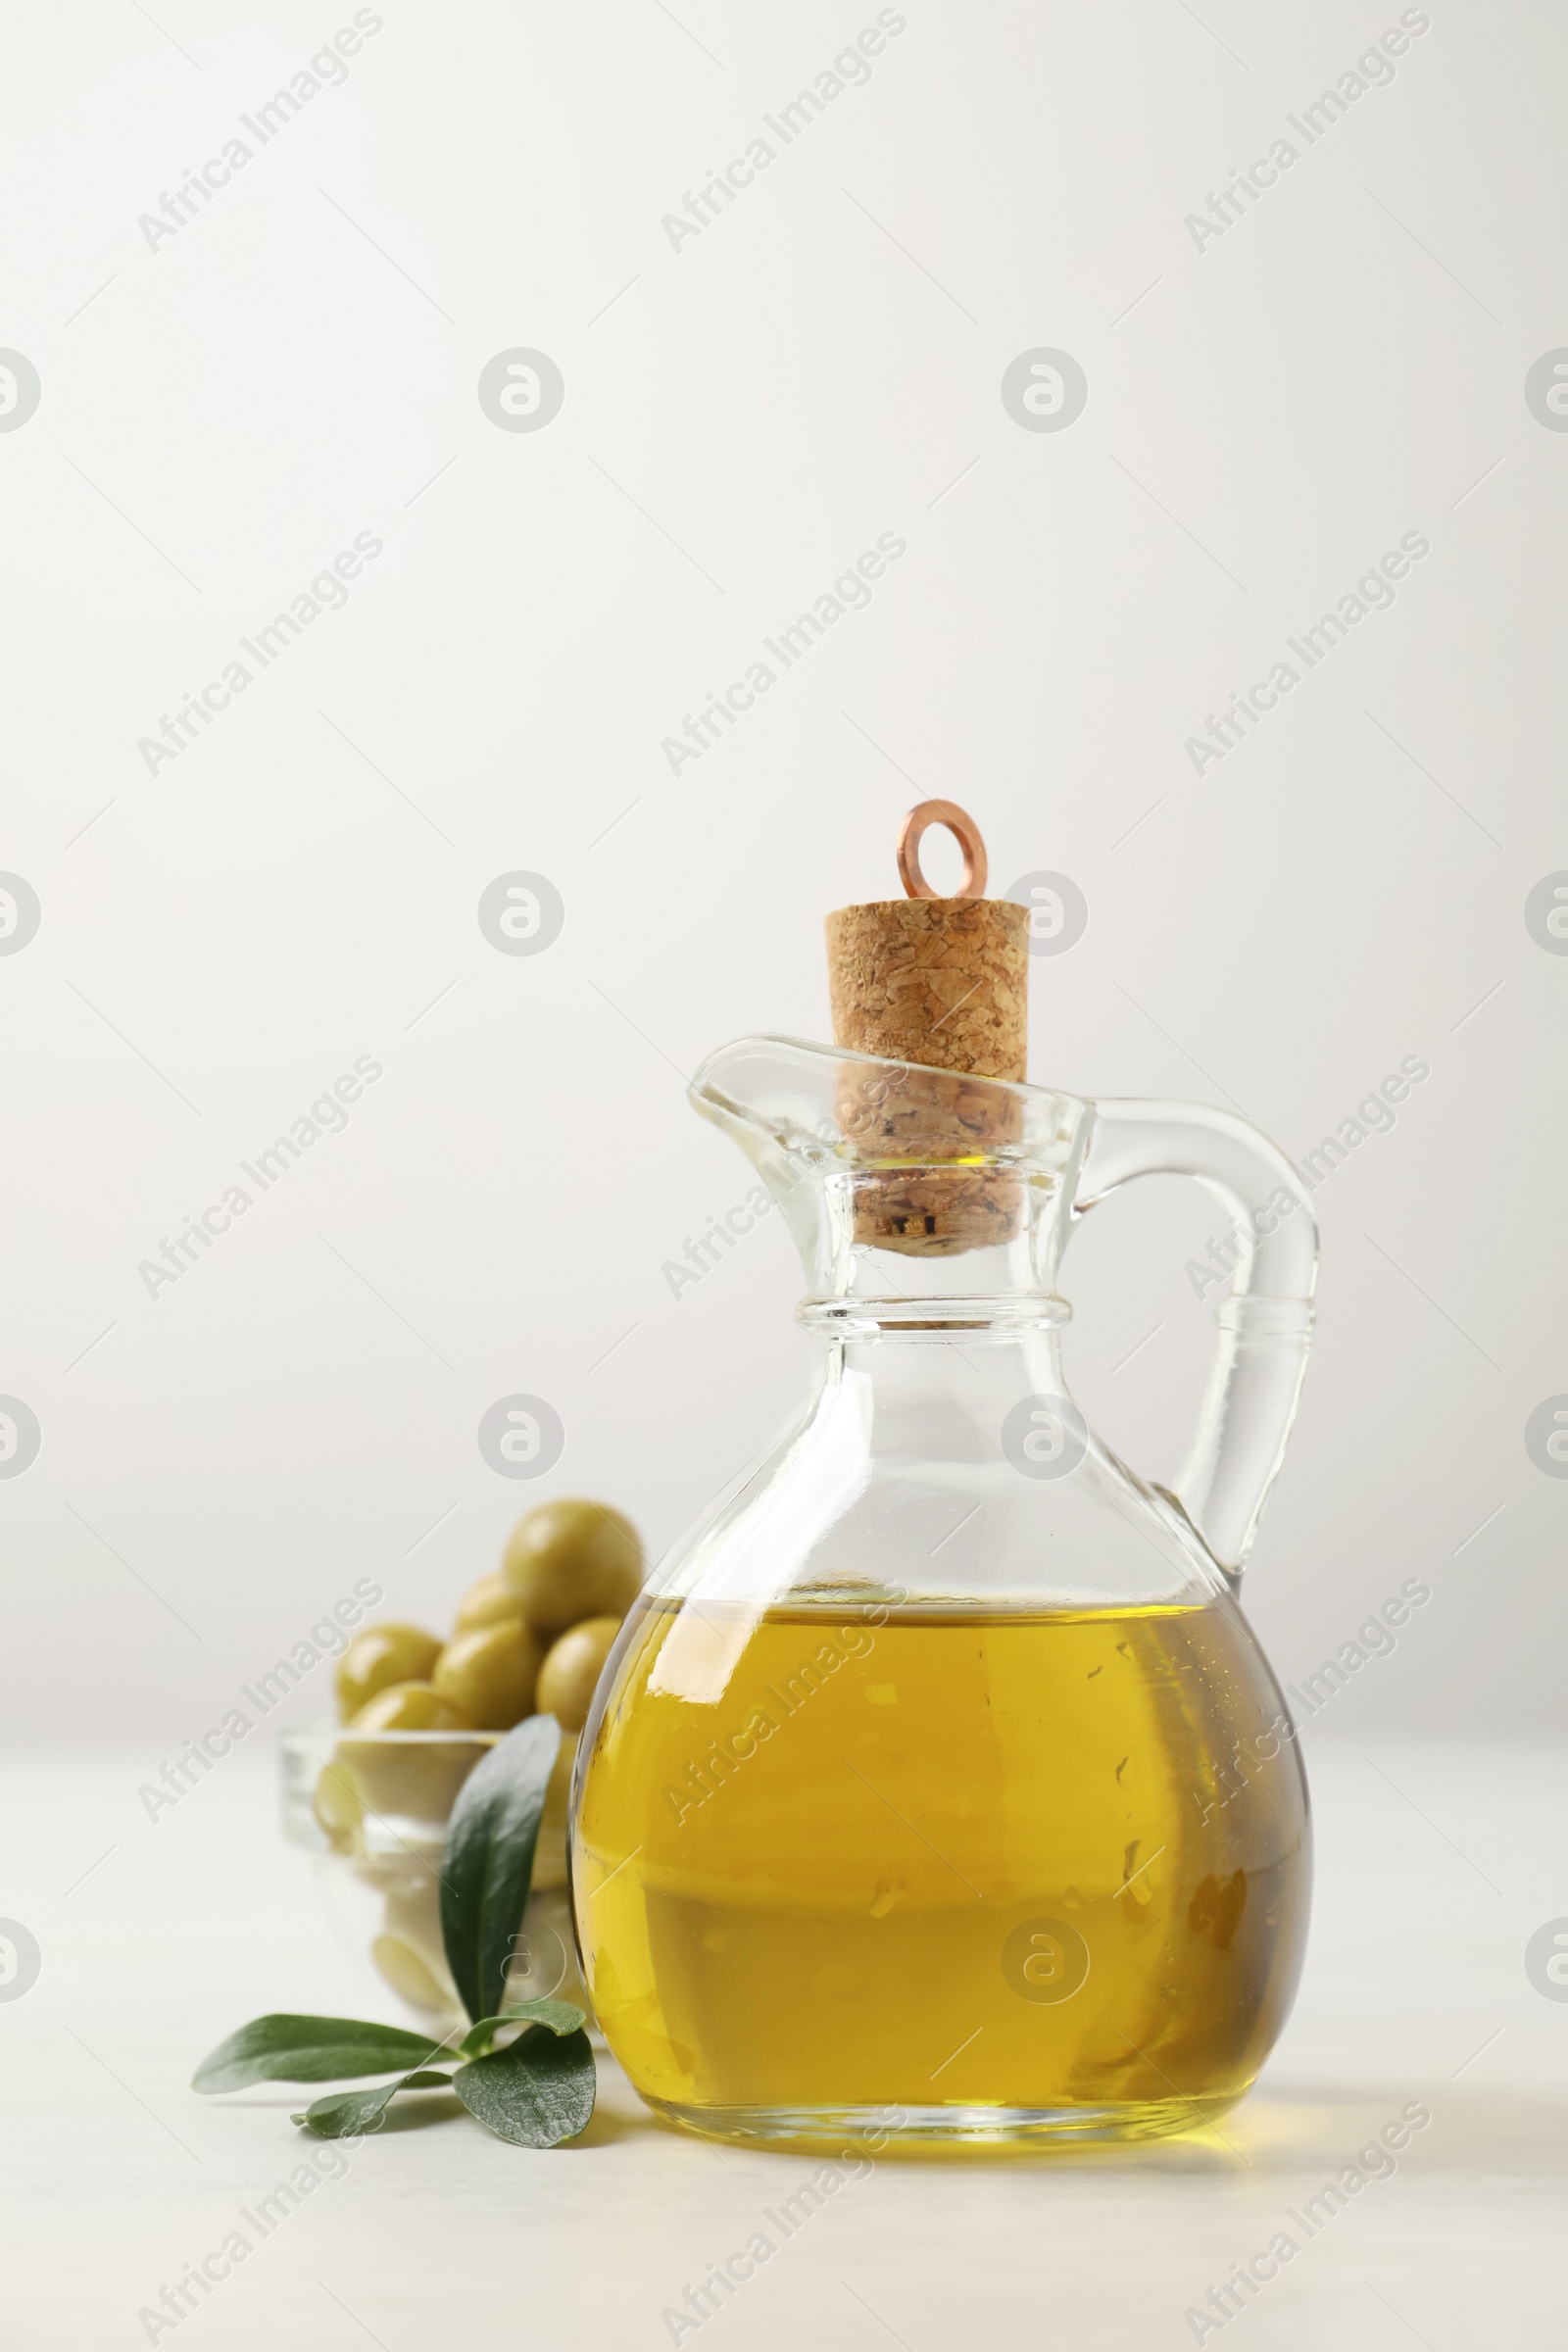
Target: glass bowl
(372,1808)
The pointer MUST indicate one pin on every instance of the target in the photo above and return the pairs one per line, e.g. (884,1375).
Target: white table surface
(1435,1866)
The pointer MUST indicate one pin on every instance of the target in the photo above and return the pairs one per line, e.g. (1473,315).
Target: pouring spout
(770,1098)
(874,1163)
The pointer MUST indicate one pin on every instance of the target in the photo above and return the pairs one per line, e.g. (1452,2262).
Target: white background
(220,415)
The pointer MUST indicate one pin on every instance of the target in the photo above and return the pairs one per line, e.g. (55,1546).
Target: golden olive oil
(833,1858)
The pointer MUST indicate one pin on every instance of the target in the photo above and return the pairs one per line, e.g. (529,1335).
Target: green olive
(410,1975)
(570,1673)
(382,1655)
(490,1673)
(411,1707)
(339,1807)
(491,1602)
(570,1560)
(411,1783)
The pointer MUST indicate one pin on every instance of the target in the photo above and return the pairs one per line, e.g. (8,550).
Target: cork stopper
(942,984)
(938,981)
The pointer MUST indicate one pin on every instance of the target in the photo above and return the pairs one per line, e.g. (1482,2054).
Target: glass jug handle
(1264,1310)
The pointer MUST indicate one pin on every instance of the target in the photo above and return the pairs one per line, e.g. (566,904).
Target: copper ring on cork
(962,825)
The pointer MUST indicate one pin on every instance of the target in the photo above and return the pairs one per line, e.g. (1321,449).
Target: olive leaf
(535,2093)
(561,2017)
(282,2048)
(347,2113)
(489,1861)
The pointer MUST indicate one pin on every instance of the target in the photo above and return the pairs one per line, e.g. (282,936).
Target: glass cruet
(937,1786)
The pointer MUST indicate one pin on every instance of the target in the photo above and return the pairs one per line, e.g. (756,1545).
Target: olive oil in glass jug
(910,1789)
(906,1806)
